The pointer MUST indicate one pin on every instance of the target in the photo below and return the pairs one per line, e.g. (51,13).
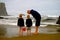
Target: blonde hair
(20,15)
(28,16)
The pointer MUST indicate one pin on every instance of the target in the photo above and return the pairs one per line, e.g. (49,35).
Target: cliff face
(3,11)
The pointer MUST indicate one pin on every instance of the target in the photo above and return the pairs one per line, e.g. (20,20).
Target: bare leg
(29,31)
(36,31)
(20,32)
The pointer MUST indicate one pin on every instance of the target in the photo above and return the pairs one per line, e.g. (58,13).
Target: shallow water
(12,31)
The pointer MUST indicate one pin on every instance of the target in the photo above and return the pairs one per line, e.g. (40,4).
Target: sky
(44,7)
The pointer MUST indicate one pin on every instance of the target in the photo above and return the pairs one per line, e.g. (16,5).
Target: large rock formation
(58,21)
(3,11)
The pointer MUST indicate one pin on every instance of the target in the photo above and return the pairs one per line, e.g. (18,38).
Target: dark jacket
(20,22)
(28,22)
(35,14)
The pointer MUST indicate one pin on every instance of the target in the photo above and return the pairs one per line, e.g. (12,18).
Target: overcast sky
(44,7)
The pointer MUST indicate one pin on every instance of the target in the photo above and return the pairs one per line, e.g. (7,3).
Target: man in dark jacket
(37,17)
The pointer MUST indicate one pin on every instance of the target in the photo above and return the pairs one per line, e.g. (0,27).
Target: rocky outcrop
(58,21)
(3,11)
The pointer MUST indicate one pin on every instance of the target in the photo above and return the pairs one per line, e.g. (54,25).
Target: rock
(58,21)
(1,18)
(3,10)
(58,30)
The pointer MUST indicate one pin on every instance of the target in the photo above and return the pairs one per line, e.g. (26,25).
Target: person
(28,24)
(37,17)
(20,24)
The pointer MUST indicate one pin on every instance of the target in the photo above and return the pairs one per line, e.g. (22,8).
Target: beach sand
(36,37)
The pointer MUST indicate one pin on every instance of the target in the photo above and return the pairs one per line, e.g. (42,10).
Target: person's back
(35,14)
(20,24)
(37,17)
(28,24)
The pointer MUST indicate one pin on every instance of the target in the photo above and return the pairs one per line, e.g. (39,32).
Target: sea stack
(58,21)
(3,11)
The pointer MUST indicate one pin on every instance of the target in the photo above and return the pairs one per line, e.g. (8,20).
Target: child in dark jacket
(20,24)
(28,24)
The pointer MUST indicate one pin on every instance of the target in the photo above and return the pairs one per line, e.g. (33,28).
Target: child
(28,24)
(20,24)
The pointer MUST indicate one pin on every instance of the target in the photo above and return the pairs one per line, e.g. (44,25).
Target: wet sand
(35,37)
(45,33)
(12,30)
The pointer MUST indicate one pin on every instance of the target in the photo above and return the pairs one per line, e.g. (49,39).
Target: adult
(37,17)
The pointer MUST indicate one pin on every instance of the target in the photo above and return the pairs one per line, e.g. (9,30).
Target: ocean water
(12,29)
(13,21)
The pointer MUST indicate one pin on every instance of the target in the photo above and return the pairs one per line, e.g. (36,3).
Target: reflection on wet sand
(12,31)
